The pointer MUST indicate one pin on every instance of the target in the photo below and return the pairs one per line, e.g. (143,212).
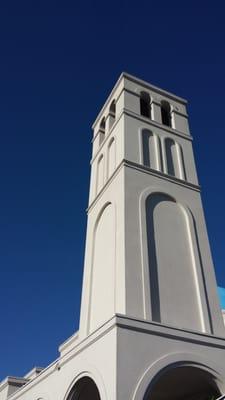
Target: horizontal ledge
(131,323)
(146,120)
(162,175)
(159,174)
(14,381)
(158,125)
(141,82)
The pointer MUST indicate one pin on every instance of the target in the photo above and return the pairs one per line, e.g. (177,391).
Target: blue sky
(59,62)
(221,292)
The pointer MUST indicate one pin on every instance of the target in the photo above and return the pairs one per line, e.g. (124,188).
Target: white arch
(171,361)
(111,157)
(111,117)
(88,371)
(96,224)
(100,176)
(146,291)
(42,396)
(154,149)
(177,158)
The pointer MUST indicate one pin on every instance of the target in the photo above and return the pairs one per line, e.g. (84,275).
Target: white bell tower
(150,323)
(147,250)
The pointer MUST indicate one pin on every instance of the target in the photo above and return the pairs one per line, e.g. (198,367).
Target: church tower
(147,253)
(150,323)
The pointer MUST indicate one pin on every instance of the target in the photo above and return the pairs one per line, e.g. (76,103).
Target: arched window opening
(165,112)
(112,113)
(112,108)
(145,106)
(102,131)
(102,124)
(84,389)
(183,382)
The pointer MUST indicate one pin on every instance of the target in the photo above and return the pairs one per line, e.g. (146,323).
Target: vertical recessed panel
(149,150)
(172,158)
(100,174)
(103,270)
(173,278)
(111,157)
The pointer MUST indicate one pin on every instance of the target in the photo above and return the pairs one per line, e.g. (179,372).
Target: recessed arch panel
(149,149)
(172,158)
(103,269)
(100,174)
(111,157)
(173,278)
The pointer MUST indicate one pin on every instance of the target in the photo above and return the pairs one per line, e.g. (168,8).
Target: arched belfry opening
(145,104)
(84,389)
(112,113)
(102,131)
(166,113)
(112,108)
(183,383)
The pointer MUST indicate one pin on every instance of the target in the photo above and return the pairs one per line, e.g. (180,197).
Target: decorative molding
(129,323)
(13,381)
(158,125)
(141,82)
(68,342)
(147,170)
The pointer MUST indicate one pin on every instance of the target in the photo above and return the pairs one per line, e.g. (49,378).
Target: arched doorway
(84,389)
(183,383)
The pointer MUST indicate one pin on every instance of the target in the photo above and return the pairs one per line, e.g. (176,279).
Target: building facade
(150,323)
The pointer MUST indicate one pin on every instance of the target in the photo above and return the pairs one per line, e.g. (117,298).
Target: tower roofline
(147,85)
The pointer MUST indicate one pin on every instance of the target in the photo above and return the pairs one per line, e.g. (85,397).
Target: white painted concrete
(149,297)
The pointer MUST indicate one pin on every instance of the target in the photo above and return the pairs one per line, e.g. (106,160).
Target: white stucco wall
(149,295)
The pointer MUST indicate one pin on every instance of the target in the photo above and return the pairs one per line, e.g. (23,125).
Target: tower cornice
(145,85)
